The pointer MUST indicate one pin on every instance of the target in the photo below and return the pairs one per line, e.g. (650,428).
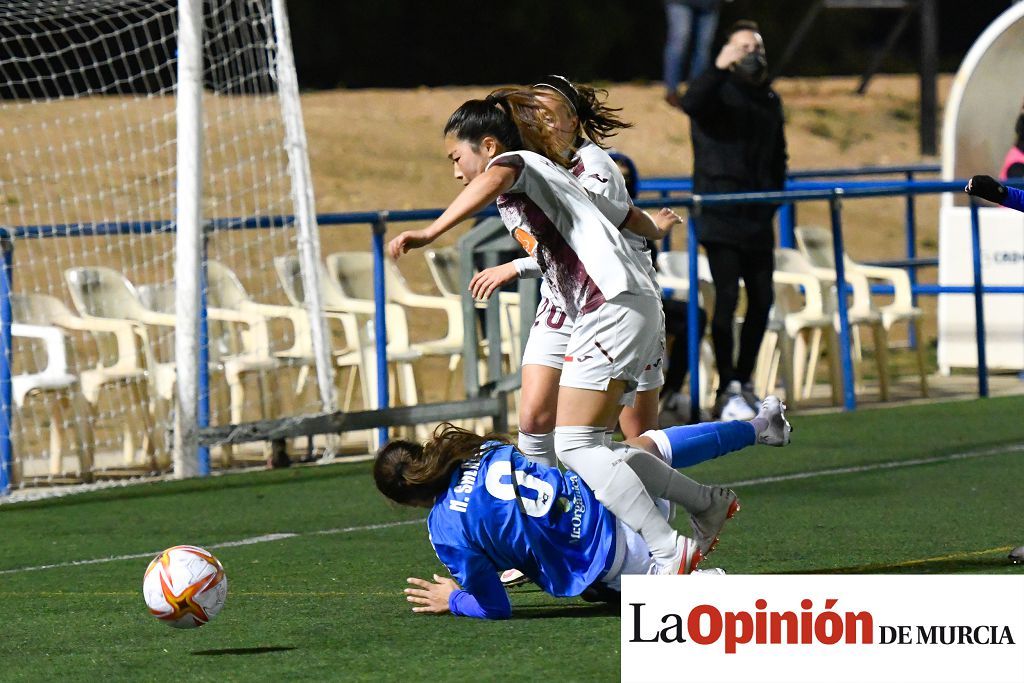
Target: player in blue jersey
(989,188)
(545,522)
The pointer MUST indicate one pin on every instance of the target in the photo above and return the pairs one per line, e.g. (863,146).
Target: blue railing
(378,220)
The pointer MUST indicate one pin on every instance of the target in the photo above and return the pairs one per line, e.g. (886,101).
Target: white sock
(608,438)
(538,448)
(616,486)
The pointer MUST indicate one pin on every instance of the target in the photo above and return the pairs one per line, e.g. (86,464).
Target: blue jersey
(564,541)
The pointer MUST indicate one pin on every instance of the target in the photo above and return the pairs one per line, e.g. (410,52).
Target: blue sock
(694,444)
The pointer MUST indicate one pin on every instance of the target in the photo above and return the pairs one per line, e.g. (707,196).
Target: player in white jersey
(594,275)
(578,115)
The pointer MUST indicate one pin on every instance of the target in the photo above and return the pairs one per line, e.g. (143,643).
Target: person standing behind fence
(739,145)
(690,31)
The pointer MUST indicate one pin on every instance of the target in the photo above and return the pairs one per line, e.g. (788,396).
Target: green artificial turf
(326,603)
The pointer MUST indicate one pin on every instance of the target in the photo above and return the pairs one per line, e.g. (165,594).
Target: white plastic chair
(353,271)
(70,416)
(859,314)
(118,371)
(356,318)
(673,273)
(105,293)
(444,265)
(225,291)
(816,244)
(797,328)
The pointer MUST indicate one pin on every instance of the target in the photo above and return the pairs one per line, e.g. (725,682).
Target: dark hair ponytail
(410,473)
(598,120)
(477,119)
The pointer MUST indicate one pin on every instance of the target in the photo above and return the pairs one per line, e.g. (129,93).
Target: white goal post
(151,146)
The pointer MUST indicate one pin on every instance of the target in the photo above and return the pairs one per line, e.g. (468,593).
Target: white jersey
(599,173)
(581,252)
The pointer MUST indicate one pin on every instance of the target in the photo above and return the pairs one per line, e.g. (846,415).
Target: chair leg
(835,367)
(882,360)
(84,434)
(787,363)
(812,362)
(56,445)
(799,363)
(857,354)
(765,360)
(916,323)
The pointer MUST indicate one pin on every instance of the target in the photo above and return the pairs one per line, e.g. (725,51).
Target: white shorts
(616,341)
(632,554)
(549,336)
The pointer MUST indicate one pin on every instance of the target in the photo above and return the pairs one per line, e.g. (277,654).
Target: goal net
(97,191)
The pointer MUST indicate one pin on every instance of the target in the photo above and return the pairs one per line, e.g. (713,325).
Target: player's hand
(431,596)
(487,281)
(729,55)
(665,219)
(410,239)
(986,187)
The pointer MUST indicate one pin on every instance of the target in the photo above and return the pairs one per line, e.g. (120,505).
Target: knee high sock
(661,481)
(538,448)
(615,485)
(688,445)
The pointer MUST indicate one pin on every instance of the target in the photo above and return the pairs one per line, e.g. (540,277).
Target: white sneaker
(708,524)
(778,429)
(736,408)
(685,560)
(513,577)
(714,571)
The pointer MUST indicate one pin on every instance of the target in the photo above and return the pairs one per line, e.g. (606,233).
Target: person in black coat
(739,145)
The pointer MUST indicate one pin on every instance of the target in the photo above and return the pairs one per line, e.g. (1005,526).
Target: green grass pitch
(935,488)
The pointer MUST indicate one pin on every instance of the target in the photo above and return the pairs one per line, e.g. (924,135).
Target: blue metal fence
(798,191)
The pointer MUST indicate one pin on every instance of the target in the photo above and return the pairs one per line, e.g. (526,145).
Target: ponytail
(598,120)
(530,117)
(477,119)
(515,118)
(409,473)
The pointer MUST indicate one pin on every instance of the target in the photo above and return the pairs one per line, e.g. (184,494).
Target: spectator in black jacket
(736,124)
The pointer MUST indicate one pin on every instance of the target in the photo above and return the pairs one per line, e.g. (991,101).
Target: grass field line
(266,538)
(888,465)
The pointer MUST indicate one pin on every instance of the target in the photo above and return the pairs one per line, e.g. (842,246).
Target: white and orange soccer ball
(185,586)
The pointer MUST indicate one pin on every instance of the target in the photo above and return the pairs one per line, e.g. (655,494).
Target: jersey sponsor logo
(598,178)
(527,241)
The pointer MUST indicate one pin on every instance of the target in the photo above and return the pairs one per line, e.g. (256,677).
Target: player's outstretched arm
(487,281)
(480,192)
(652,227)
(990,189)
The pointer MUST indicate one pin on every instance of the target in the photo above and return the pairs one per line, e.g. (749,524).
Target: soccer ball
(185,586)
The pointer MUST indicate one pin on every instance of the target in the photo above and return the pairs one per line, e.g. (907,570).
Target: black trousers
(676,327)
(728,265)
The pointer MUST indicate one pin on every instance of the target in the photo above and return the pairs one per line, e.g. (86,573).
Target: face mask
(752,68)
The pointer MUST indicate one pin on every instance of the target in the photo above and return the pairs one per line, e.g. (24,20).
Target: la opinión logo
(708,625)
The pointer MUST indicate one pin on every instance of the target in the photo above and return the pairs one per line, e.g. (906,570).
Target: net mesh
(87,191)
